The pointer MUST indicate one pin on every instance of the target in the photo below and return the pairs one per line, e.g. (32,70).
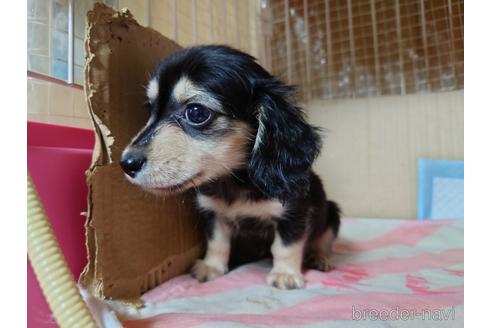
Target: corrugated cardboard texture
(135,240)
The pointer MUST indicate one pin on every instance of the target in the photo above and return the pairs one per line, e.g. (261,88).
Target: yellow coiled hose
(50,267)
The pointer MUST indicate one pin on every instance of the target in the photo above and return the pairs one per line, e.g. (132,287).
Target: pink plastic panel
(57,158)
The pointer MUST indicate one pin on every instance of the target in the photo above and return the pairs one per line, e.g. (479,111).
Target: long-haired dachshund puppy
(222,124)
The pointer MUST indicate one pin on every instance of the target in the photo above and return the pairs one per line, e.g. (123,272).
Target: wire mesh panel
(363,48)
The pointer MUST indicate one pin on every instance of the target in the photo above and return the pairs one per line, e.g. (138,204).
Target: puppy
(220,123)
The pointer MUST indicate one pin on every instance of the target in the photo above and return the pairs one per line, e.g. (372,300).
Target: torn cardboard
(135,240)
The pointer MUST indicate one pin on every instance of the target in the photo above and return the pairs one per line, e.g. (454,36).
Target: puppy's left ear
(285,146)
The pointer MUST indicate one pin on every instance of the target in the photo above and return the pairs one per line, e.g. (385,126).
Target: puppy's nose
(132,163)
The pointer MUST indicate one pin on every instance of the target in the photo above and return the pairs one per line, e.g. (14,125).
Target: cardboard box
(135,240)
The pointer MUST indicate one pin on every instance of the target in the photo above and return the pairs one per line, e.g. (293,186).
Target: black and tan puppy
(220,123)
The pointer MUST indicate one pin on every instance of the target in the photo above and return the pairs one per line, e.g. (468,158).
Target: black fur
(280,165)
(279,159)
(253,238)
(287,147)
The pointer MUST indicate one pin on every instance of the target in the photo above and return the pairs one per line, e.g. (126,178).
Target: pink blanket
(388,273)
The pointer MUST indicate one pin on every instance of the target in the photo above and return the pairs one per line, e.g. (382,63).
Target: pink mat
(389,273)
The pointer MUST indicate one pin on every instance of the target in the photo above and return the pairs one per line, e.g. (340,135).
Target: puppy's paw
(284,280)
(202,271)
(318,262)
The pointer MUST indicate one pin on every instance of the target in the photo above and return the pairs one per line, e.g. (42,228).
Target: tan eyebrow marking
(152,89)
(185,91)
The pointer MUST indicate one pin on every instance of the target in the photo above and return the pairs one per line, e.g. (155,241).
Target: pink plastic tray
(57,158)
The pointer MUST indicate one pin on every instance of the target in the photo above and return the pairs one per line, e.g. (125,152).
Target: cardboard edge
(100,18)
(103,139)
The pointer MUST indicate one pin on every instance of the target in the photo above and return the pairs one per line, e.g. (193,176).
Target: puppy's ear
(285,145)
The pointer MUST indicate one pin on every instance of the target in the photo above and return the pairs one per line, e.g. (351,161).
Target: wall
(371,147)
(371,144)
(56,103)
(230,22)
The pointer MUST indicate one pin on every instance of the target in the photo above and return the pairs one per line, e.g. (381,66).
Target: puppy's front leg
(287,263)
(215,262)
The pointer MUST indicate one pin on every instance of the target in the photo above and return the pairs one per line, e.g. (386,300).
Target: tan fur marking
(318,252)
(153,89)
(173,157)
(184,90)
(323,244)
(264,209)
(287,264)
(167,154)
(218,249)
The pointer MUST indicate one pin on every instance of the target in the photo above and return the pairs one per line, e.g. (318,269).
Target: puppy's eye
(197,114)
(148,105)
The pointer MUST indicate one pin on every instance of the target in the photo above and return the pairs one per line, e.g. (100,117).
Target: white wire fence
(362,48)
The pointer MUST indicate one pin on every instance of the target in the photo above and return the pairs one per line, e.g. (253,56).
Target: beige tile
(61,100)
(219,21)
(80,109)
(158,24)
(203,15)
(254,29)
(37,96)
(161,6)
(138,8)
(185,30)
(203,5)
(184,7)
(61,120)
(163,25)
(43,118)
(83,123)
(162,17)
(203,32)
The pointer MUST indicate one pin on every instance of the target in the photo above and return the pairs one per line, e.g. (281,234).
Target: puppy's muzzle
(132,163)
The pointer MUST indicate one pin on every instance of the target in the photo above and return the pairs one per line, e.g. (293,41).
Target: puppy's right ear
(285,145)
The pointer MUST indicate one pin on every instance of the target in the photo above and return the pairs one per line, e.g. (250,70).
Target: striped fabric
(389,273)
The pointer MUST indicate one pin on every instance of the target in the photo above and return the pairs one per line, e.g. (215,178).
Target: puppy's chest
(242,209)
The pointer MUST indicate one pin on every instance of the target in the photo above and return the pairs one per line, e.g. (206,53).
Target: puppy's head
(213,110)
